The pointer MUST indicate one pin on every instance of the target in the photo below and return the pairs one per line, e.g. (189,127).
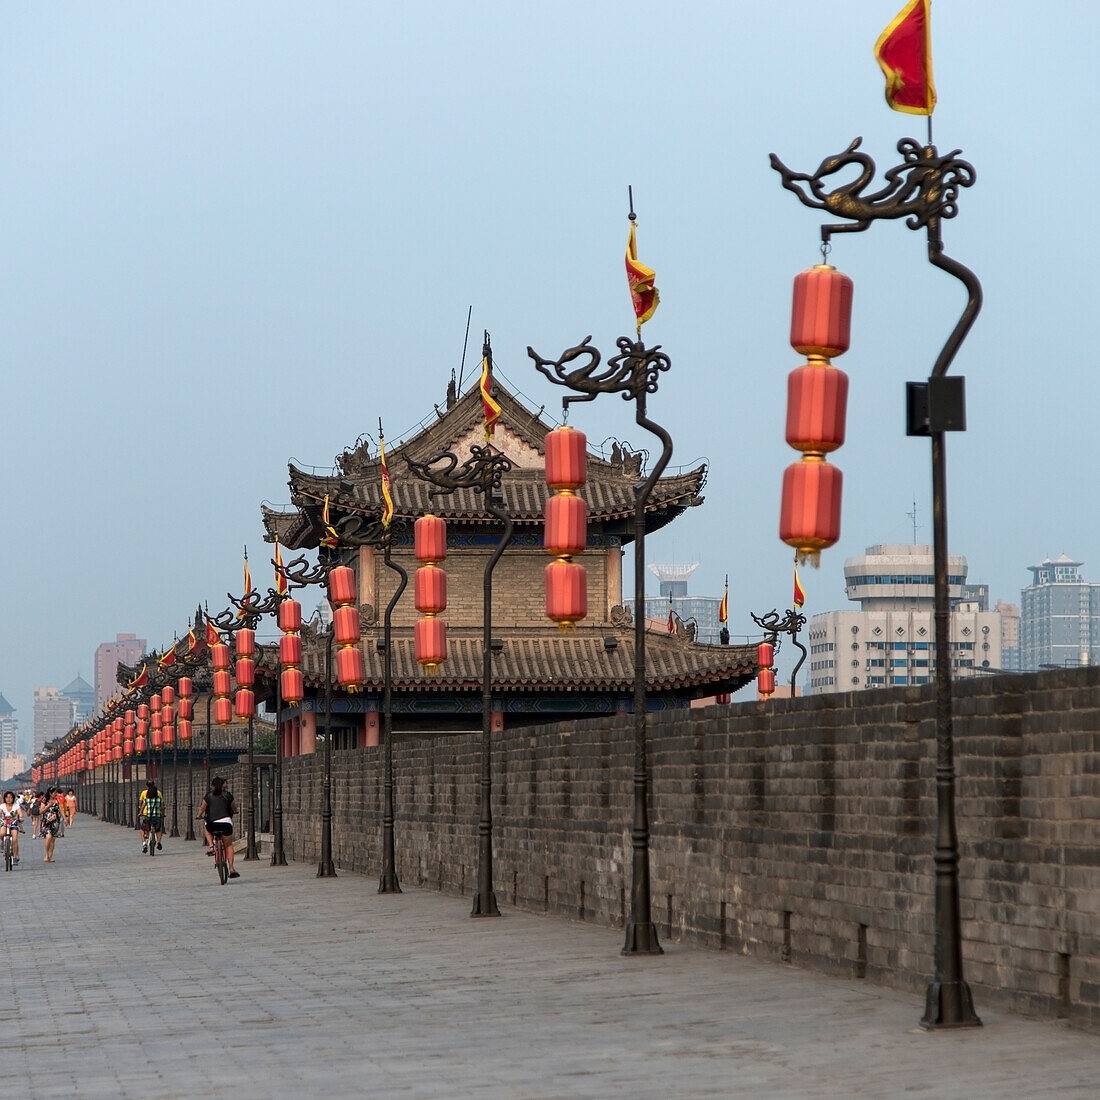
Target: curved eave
(546,660)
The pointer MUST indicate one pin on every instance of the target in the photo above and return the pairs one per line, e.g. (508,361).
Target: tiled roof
(609,491)
(545,659)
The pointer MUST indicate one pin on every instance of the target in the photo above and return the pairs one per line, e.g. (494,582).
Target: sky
(234,235)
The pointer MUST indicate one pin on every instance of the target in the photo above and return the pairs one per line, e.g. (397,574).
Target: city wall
(797,830)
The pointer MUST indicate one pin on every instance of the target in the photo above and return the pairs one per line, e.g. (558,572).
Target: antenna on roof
(465,341)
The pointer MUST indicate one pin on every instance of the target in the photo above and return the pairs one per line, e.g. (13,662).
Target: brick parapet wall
(798,830)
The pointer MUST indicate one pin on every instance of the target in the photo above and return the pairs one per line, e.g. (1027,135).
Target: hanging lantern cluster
(817,400)
(142,727)
(168,715)
(155,705)
(245,645)
(765,675)
(430,634)
(223,688)
(291,685)
(350,670)
(186,708)
(128,726)
(566,531)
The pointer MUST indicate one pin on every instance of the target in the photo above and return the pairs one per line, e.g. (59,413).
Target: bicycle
(9,845)
(221,863)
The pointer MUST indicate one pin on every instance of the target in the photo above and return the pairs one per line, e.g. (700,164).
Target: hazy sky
(232,234)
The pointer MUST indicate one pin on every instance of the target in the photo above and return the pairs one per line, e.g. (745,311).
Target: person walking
(50,824)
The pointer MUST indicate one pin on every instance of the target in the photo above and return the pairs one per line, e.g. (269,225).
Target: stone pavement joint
(124,968)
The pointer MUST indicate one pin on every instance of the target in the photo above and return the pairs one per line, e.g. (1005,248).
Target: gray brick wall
(799,830)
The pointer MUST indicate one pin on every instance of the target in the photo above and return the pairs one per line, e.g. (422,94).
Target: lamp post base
(326,869)
(485,905)
(641,939)
(949,1004)
(388,883)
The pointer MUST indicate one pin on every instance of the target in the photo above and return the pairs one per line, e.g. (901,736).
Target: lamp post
(633,373)
(924,190)
(483,471)
(791,623)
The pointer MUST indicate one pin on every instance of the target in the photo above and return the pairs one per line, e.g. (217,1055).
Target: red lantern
(246,703)
(290,650)
(186,688)
(350,671)
(168,694)
(155,703)
(219,656)
(722,698)
(566,592)
(765,682)
(566,530)
(223,710)
(290,615)
(143,712)
(431,590)
(186,709)
(245,640)
(821,314)
(222,683)
(185,729)
(566,458)
(341,584)
(430,642)
(291,685)
(430,539)
(345,624)
(765,655)
(168,714)
(817,400)
(809,518)
(246,672)
(139,744)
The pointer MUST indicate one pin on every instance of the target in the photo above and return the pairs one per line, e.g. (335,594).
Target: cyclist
(10,817)
(217,809)
(151,815)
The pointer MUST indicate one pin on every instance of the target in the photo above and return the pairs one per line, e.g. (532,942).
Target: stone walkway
(145,978)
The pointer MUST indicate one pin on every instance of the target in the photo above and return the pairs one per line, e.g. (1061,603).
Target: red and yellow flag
(671,618)
(387,493)
(724,606)
(192,641)
(247,584)
(212,635)
(489,406)
(140,680)
(799,595)
(168,659)
(643,294)
(331,539)
(904,53)
(281,587)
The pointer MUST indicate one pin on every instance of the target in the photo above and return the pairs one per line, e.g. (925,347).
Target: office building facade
(890,640)
(1059,617)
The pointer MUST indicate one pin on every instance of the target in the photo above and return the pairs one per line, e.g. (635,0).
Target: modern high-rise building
(891,641)
(53,716)
(1010,635)
(9,728)
(127,648)
(703,610)
(1059,617)
(82,695)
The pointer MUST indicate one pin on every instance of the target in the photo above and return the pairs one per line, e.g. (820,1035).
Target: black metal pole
(206,762)
(175,829)
(641,933)
(250,816)
(278,855)
(948,1002)
(485,901)
(326,868)
(388,883)
(190,795)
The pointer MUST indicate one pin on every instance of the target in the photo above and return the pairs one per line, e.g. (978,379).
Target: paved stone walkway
(145,978)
